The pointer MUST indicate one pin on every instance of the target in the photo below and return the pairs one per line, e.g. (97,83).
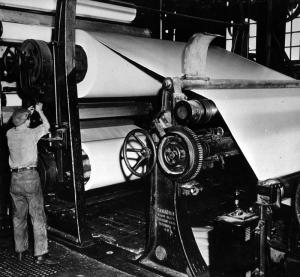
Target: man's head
(20,116)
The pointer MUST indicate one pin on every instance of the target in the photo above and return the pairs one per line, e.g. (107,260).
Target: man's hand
(39,107)
(31,109)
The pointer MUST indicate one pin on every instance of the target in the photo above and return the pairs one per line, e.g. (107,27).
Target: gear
(180,154)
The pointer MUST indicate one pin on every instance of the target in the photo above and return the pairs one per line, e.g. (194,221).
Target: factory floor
(118,229)
(114,253)
(70,263)
(73,263)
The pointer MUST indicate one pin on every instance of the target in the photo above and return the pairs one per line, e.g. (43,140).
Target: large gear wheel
(180,154)
(36,68)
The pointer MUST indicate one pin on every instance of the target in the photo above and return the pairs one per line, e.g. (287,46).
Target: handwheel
(139,152)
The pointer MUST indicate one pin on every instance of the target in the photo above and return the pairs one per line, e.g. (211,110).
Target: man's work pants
(27,196)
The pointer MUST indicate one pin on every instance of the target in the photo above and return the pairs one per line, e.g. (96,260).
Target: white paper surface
(109,74)
(266,125)
(201,235)
(107,166)
(84,8)
(15,32)
(165,58)
(13,100)
(110,132)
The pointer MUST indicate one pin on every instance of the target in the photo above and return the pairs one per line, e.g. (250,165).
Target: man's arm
(39,109)
(43,128)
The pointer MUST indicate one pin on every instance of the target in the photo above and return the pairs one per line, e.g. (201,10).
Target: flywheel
(36,68)
(180,154)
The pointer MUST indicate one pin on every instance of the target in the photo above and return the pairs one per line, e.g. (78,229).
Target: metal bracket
(195,54)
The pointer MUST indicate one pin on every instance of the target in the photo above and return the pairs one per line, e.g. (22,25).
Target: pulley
(180,154)
(194,111)
(36,69)
(139,152)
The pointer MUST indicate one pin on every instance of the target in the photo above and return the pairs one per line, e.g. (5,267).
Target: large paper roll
(109,132)
(104,160)
(84,8)
(111,75)
(108,73)
(106,166)
(16,32)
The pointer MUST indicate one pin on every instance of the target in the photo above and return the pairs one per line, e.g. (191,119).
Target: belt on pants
(20,169)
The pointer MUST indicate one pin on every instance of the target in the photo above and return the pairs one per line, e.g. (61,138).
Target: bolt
(168,83)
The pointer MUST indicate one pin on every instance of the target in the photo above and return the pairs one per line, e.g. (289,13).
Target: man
(25,190)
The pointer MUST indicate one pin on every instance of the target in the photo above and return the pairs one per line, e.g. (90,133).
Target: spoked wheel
(139,152)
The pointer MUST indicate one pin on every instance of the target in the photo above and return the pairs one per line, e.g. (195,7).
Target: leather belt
(20,169)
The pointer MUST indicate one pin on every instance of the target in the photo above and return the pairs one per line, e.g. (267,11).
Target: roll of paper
(105,158)
(111,75)
(108,73)
(16,32)
(84,8)
(106,167)
(109,132)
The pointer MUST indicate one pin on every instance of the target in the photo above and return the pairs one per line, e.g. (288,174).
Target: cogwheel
(180,154)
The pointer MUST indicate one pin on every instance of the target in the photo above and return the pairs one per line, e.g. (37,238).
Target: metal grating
(11,267)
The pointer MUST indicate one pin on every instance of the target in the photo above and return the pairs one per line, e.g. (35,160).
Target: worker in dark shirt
(25,190)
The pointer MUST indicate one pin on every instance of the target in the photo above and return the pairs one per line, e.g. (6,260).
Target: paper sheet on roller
(264,122)
(110,132)
(84,8)
(106,167)
(129,59)
(108,74)
(266,125)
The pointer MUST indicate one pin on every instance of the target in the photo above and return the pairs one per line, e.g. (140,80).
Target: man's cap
(20,116)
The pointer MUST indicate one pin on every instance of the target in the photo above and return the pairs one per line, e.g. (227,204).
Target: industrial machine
(185,185)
